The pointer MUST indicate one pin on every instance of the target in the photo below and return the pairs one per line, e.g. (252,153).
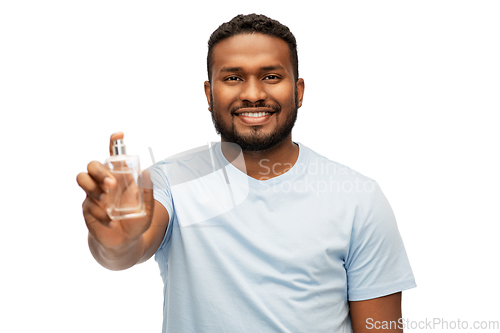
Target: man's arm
(156,232)
(381,314)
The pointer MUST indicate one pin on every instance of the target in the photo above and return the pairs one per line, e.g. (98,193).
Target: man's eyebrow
(231,69)
(272,68)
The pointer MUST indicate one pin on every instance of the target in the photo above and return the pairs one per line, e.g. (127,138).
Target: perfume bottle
(125,200)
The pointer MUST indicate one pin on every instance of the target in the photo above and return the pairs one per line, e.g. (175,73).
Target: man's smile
(254,115)
(255,118)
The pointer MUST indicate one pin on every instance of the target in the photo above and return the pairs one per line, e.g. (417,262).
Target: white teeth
(254,114)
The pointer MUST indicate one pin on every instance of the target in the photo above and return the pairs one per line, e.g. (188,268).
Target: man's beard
(256,141)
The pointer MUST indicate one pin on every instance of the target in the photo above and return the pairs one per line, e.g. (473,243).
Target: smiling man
(311,246)
(256,92)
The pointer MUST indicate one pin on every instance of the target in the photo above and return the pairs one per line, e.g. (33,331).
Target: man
(293,243)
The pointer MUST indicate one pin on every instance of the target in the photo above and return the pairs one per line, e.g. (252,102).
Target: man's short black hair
(253,23)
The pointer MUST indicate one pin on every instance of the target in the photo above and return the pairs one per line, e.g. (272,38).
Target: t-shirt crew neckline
(299,167)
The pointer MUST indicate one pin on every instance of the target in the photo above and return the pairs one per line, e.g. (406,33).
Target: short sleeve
(376,264)
(162,194)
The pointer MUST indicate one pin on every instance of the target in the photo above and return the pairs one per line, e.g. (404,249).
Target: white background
(404,92)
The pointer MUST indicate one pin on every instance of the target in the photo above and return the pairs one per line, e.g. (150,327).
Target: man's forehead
(245,51)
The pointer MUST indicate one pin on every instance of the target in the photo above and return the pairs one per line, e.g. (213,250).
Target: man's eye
(272,77)
(232,78)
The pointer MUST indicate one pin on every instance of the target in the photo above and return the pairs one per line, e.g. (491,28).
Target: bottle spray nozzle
(118,148)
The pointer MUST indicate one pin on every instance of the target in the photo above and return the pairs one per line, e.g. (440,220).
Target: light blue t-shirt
(281,255)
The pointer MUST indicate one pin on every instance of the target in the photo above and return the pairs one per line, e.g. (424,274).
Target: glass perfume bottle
(125,200)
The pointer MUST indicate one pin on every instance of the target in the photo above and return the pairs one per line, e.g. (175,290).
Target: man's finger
(101,175)
(90,187)
(95,215)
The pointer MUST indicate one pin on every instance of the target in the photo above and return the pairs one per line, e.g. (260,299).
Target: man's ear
(207,93)
(299,85)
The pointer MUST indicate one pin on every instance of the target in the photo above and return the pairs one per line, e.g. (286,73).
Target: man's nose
(253,91)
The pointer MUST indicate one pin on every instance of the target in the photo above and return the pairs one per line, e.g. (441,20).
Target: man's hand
(116,244)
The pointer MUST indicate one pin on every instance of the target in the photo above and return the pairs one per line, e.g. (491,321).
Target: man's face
(253,95)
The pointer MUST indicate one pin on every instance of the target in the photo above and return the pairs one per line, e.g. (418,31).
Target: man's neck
(265,164)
